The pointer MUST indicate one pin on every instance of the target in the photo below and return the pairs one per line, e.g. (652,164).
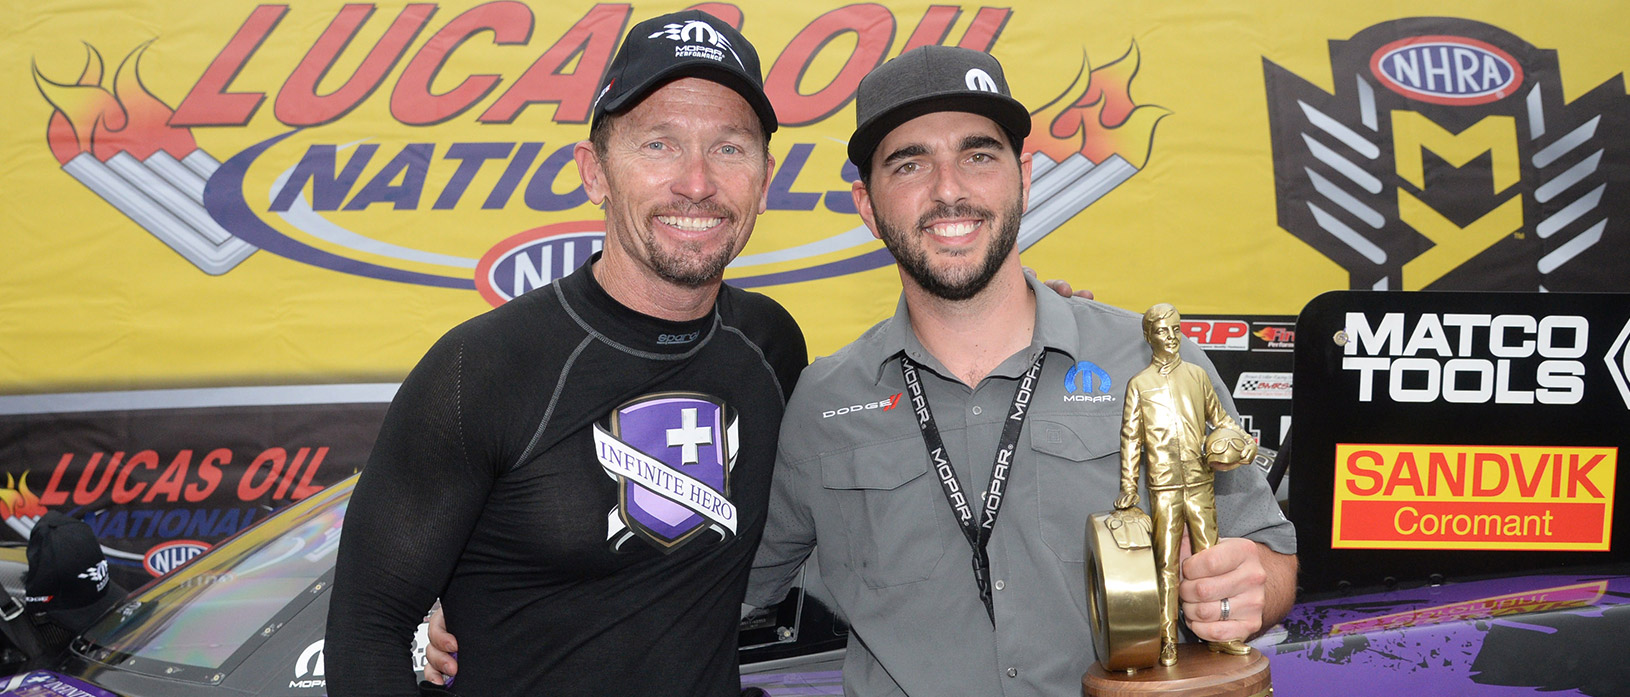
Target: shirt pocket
(891,512)
(1077,474)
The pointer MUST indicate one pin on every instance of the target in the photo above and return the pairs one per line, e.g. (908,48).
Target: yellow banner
(232,193)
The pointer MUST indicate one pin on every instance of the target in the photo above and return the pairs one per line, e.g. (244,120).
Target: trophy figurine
(1134,572)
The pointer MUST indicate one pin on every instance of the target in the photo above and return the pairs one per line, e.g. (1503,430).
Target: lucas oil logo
(360,140)
(1447,158)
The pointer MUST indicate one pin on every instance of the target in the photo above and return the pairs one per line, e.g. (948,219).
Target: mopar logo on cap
(168,555)
(1450,70)
(980,80)
(536,258)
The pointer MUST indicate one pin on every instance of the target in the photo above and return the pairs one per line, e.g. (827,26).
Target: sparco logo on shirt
(883,404)
(1467,358)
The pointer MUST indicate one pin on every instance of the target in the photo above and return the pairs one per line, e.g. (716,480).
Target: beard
(685,264)
(689,266)
(912,255)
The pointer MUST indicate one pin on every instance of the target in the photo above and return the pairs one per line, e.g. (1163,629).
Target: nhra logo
(165,557)
(536,258)
(1448,70)
(1447,159)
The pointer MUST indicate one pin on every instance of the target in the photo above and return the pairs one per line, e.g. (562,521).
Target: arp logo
(1447,159)
(536,258)
(1218,334)
(166,556)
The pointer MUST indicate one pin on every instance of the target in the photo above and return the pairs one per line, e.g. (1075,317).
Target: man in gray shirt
(944,388)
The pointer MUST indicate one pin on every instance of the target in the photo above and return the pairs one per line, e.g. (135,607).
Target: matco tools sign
(1486,428)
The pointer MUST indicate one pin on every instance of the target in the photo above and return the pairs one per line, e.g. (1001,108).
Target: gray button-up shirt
(852,473)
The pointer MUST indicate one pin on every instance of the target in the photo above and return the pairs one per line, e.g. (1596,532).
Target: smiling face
(683,177)
(945,195)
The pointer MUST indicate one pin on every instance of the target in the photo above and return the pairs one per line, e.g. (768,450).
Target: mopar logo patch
(164,557)
(1086,382)
(1450,70)
(536,258)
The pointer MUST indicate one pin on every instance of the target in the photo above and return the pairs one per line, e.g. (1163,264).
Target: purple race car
(247,618)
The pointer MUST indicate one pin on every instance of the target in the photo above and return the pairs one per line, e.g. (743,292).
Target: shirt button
(1000,584)
(976,411)
(1013,672)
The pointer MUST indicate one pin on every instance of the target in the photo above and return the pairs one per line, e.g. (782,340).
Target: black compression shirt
(514,478)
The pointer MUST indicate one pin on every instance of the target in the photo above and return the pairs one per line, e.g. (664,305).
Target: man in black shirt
(581,475)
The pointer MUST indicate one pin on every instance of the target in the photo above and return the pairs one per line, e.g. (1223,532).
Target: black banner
(160,483)
(1458,434)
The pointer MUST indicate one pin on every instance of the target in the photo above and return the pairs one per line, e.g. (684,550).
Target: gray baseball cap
(929,79)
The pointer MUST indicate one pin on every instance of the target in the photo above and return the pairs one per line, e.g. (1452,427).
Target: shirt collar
(1055,329)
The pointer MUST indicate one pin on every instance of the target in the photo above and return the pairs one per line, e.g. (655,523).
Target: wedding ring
(1224,617)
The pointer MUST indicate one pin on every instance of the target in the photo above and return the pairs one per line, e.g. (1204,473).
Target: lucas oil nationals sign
(1459,433)
(161,476)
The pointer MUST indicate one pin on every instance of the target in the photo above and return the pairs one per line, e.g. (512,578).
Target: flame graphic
(1102,121)
(90,118)
(16,501)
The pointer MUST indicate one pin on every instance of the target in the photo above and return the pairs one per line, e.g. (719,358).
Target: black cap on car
(67,575)
(931,79)
(683,44)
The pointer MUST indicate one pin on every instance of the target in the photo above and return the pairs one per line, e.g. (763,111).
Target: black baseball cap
(930,79)
(691,43)
(67,576)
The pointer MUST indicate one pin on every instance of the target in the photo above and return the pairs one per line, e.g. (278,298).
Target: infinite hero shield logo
(671,454)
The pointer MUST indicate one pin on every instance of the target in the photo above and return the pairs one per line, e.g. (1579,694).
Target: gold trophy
(1133,570)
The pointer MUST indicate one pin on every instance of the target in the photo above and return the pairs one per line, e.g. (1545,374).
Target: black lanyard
(977,534)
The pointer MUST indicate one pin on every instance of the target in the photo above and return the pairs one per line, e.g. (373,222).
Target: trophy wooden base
(1199,673)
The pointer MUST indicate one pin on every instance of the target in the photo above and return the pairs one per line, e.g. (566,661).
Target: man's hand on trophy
(1223,589)
(1126,500)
